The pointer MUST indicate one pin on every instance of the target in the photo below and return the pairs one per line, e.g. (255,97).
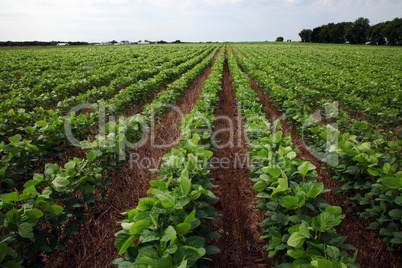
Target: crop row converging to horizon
(251,155)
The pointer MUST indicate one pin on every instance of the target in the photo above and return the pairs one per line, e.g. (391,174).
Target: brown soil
(94,245)
(240,244)
(372,251)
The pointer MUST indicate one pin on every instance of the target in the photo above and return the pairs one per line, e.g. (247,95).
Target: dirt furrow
(94,245)
(240,244)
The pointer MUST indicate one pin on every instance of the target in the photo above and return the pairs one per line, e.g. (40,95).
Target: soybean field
(201,155)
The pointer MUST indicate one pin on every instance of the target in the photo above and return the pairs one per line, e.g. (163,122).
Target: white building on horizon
(125,42)
(143,43)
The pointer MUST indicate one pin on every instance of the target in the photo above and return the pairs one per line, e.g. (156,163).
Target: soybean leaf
(168,234)
(185,182)
(137,227)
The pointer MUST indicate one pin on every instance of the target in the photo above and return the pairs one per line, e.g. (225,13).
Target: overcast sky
(187,20)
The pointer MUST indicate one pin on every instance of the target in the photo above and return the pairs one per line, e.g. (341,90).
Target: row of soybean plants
(61,195)
(168,229)
(368,170)
(291,77)
(43,65)
(103,76)
(358,70)
(297,95)
(143,71)
(71,80)
(363,90)
(300,225)
(42,70)
(35,138)
(312,99)
(13,121)
(30,146)
(369,76)
(364,160)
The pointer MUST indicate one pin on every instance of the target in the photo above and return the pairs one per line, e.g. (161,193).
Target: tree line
(37,43)
(357,32)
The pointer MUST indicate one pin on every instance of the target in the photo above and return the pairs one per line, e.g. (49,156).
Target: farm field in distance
(201,155)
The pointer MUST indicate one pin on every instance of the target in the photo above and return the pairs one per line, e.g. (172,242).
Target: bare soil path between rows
(372,251)
(94,245)
(240,244)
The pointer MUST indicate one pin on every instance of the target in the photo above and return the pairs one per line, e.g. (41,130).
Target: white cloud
(221,2)
(294,1)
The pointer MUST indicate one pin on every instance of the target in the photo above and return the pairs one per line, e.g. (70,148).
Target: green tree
(305,35)
(357,32)
(279,39)
(376,34)
(315,35)
(323,36)
(393,31)
(338,31)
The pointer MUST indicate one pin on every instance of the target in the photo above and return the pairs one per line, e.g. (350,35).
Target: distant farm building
(62,44)
(125,42)
(143,43)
